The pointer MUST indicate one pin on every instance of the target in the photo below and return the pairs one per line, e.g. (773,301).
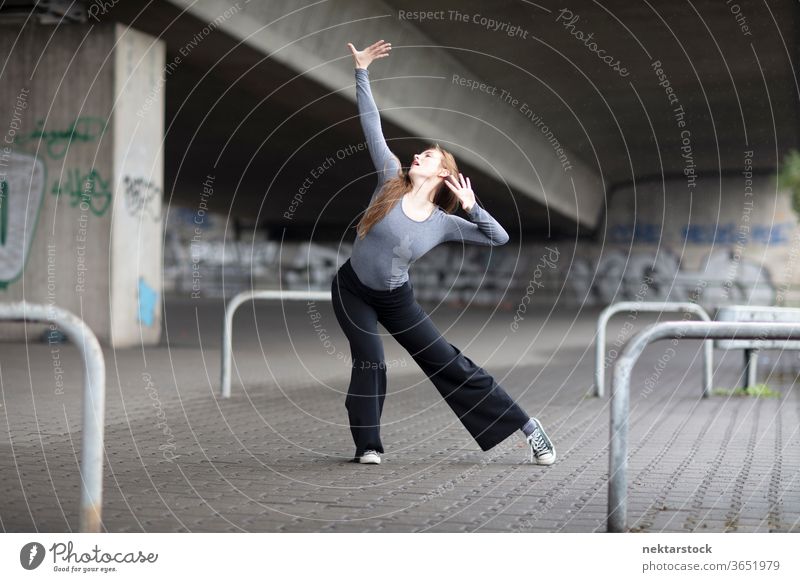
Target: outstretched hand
(363,58)
(462,188)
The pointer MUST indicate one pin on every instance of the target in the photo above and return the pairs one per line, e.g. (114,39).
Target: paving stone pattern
(276,456)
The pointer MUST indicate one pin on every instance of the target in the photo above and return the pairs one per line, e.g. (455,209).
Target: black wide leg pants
(483,407)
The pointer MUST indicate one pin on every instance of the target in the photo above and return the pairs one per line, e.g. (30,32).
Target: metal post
(94,396)
(750,368)
(746,376)
(227,324)
(636,306)
(620,391)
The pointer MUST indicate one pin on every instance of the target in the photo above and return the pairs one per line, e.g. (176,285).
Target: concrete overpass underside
(266,97)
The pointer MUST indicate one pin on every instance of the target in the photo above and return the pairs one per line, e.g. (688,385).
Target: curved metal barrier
(755,313)
(674,306)
(620,395)
(227,326)
(94,398)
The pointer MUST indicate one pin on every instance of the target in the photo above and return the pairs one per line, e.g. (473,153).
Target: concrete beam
(416,94)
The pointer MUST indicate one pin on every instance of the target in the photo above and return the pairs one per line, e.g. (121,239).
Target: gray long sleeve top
(382,258)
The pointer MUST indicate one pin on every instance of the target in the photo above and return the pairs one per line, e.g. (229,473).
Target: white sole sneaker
(542,450)
(546,459)
(370,458)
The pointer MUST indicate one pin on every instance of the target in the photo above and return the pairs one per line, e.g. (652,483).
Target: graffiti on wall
(142,197)
(475,275)
(147,304)
(731,233)
(57,141)
(89,187)
(495,276)
(776,234)
(22,189)
(618,277)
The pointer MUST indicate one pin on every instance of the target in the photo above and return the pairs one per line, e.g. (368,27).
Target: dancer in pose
(408,215)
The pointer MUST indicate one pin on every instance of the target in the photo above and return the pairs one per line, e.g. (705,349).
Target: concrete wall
(82,86)
(674,255)
(738,234)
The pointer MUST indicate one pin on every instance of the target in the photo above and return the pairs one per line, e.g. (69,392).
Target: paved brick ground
(275,457)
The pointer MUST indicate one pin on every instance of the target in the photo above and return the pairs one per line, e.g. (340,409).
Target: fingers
(465,183)
(382,52)
(451,186)
(374,47)
(376,50)
(380,47)
(458,181)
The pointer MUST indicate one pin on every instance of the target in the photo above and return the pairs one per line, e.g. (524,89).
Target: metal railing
(673,306)
(94,397)
(227,326)
(756,313)
(620,390)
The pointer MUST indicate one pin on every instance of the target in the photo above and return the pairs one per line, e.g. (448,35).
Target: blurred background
(197,148)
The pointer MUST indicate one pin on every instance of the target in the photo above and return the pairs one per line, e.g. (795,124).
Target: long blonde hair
(394,189)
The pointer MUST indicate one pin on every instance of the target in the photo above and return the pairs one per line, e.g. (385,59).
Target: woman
(409,214)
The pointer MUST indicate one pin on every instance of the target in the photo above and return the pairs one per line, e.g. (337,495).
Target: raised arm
(386,163)
(481,228)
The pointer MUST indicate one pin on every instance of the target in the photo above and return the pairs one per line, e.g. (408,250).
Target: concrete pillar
(81,176)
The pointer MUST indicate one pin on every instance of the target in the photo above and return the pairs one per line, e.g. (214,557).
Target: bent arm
(481,228)
(386,163)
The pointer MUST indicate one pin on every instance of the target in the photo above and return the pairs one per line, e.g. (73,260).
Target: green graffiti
(89,188)
(3,212)
(83,129)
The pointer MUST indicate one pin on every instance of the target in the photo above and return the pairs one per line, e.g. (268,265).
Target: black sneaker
(542,450)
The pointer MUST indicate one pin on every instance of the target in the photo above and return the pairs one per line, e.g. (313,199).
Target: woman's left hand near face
(462,188)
